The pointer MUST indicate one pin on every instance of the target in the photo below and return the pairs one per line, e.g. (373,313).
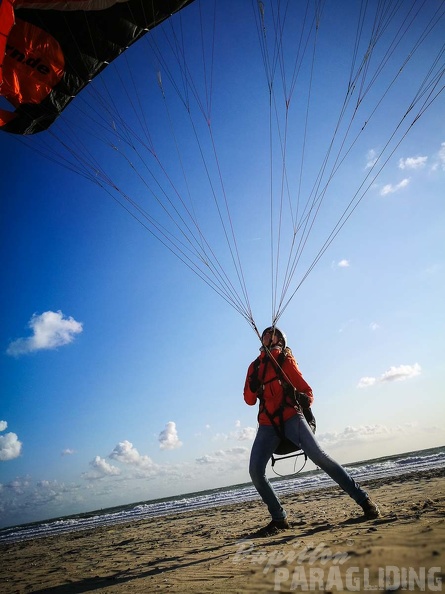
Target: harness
(290,397)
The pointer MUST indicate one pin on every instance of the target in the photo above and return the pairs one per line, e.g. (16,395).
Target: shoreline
(214,549)
(125,513)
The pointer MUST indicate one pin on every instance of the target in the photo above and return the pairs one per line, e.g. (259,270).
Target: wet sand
(328,548)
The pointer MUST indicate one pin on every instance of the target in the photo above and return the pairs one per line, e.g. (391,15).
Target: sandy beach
(329,547)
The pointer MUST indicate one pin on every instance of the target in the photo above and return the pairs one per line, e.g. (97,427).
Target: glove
(303,400)
(254,384)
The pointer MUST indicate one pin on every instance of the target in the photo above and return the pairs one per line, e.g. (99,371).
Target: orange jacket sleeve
(290,369)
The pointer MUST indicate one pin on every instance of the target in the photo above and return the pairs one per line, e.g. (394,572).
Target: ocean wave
(367,470)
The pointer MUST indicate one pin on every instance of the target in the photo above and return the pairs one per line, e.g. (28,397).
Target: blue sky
(122,371)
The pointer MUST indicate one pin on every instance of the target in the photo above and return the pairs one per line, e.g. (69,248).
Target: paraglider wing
(55,48)
(225,138)
(6,24)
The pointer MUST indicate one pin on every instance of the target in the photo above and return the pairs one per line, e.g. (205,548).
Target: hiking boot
(370,509)
(274,527)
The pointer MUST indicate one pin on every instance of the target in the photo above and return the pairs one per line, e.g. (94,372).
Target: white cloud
(3,425)
(101,469)
(225,459)
(412,163)
(206,459)
(18,486)
(68,452)
(390,188)
(50,330)
(360,434)
(402,372)
(344,263)
(240,434)
(246,434)
(168,438)
(10,446)
(235,452)
(441,155)
(366,381)
(371,159)
(126,453)
(439,159)
(393,374)
(24,500)
(374,326)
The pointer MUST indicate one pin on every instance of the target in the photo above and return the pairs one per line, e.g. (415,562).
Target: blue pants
(299,432)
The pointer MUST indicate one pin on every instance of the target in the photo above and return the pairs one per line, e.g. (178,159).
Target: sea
(378,468)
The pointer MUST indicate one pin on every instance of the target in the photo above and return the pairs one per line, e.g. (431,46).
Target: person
(281,416)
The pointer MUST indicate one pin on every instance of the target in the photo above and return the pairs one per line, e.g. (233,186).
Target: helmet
(278,332)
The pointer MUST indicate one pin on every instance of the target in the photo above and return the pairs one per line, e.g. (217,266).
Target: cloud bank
(363,433)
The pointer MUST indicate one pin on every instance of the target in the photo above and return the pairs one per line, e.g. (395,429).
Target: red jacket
(273,390)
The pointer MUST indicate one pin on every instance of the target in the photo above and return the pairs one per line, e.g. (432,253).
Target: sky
(122,372)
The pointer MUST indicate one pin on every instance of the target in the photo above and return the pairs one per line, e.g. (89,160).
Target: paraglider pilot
(281,415)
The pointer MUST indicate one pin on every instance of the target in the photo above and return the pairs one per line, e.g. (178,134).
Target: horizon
(109,510)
